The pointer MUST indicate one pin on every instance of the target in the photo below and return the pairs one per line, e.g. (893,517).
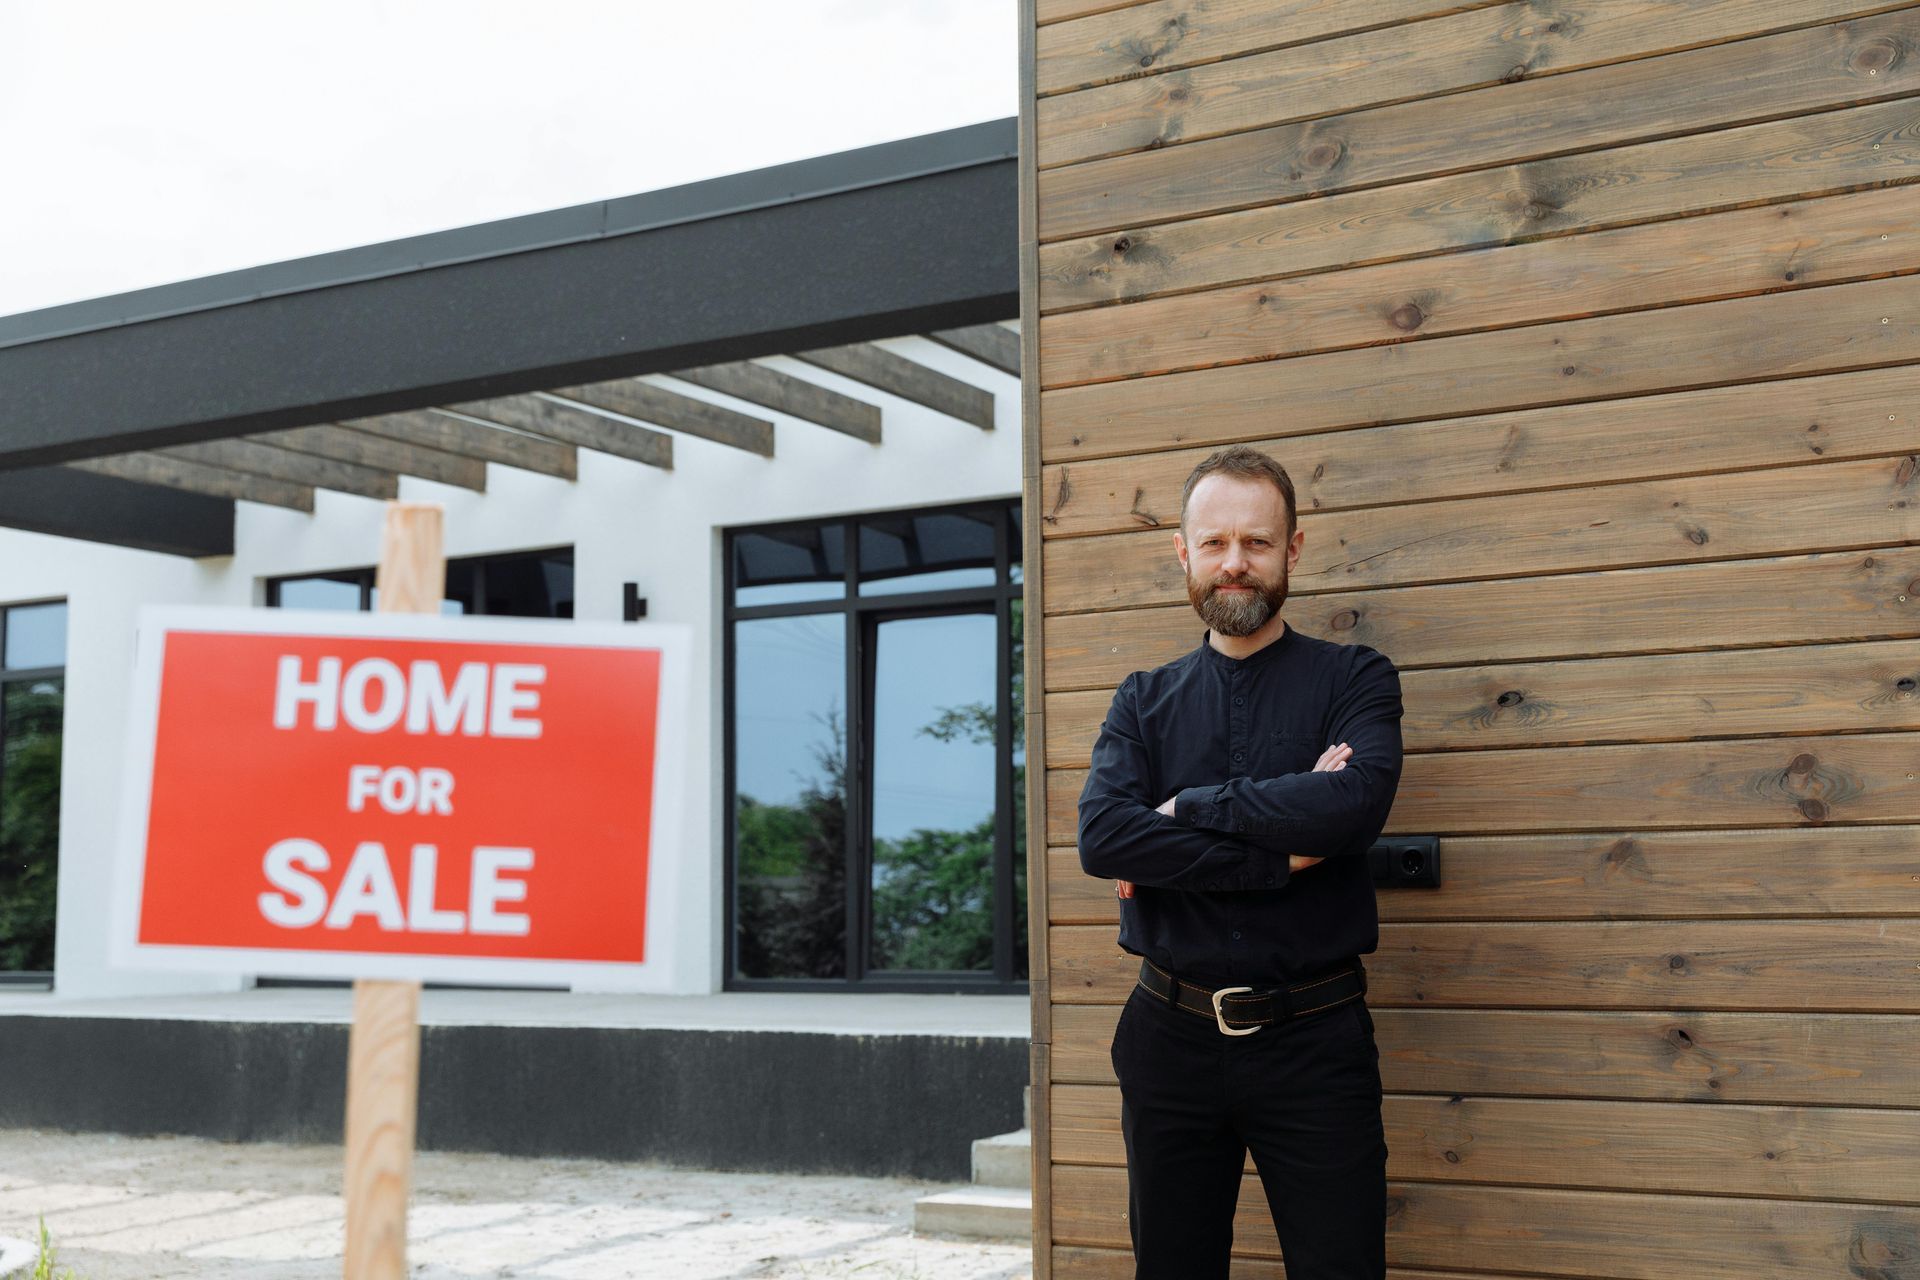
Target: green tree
(29,822)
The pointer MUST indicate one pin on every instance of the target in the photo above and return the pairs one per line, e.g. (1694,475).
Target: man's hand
(1332,760)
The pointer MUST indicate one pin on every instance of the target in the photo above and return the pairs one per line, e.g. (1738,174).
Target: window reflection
(934,720)
(790,797)
(36,636)
(914,551)
(786,566)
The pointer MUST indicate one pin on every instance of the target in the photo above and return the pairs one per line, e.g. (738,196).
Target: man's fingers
(1123,888)
(1298,862)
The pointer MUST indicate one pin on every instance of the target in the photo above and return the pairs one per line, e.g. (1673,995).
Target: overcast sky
(143,141)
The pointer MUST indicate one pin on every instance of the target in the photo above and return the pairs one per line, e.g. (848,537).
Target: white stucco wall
(627,523)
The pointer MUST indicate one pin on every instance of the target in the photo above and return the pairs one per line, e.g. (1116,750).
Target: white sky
(143,141)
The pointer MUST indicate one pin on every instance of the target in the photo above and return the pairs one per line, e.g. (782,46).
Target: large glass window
(33,655)
(520,584)
(875,778)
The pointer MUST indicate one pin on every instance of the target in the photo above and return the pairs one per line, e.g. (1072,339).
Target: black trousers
(1302,1095)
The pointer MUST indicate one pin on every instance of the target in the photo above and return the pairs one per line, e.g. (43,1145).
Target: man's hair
(1249,464)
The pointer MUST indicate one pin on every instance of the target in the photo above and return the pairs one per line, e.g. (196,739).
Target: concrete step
(1004,1160)
(985,1213)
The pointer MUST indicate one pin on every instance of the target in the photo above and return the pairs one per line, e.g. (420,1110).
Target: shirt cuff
(1200,807)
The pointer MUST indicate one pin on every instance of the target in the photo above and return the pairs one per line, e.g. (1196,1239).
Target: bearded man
(1233,796)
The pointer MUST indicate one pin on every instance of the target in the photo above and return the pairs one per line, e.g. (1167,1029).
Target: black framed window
(33,657)
(875,768)
(518,584)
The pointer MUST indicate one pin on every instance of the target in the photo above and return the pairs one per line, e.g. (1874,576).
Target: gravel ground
(169,1208)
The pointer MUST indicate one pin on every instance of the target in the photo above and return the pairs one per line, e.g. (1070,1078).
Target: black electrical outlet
(1405,862)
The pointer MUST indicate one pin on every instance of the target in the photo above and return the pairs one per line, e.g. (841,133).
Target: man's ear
(1294,544)
(1180,549)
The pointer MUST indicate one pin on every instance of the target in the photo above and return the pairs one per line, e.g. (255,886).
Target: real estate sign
(398,796)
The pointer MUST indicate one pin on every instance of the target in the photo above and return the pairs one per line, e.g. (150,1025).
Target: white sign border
(657,973)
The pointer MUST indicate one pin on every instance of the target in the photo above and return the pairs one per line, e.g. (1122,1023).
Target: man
(1234,793)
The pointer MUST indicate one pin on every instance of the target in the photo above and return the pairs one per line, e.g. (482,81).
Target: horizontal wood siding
(1590,335)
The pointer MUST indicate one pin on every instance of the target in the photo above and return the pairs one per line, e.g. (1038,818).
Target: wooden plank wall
(1590,333)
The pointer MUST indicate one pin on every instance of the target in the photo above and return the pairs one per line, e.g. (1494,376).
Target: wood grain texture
(1833,417)
(1796,689)
(1737,782)
(190,476)
(379,451)
(1834,966)
(1811,1059)
(644,402)
(1718,87)
(1810,331)
(1620,186)
(1833,506)
(470,438)
(1166,35)
(1722,255)
(1062,10)
(1830,872)
(574,426)
(1821,1153)
(1566,1232)
(1070,1262)
(910,380)
(383,1080)
(1838,596)
(1477,49)
(295,468)
(783,393)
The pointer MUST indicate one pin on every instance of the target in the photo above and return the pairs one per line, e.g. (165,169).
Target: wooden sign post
(383,1057)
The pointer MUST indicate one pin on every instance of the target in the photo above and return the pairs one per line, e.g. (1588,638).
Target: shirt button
(1239,826)
(1236,933)
(1238,756)
(1239,701)
(1269,879)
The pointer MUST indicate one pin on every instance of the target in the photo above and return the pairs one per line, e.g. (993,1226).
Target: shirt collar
(1259,657)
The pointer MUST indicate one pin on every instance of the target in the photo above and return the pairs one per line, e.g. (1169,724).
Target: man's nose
(1235,561)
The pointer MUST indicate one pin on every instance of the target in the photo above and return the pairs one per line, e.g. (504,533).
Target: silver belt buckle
(1221,1018)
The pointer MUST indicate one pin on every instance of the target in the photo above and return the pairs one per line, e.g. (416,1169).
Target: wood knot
(1452,1157)
(1905,684)
(1679,1038)
(1676,962)
(1696,535)
(1406,317)
(1814,810)
(1345,620)
(1123,244)
(1323,156)
(1567,372)
(1511,698)
(1515,73)
(1802,764)
(1873,57)
(1903,474)
(1146,59)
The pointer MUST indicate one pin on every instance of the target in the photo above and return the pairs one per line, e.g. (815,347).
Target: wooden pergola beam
(431,429)
(784,393)
(571,424)
(632,398)
(276,463)
(380,451)
(197,477)
(897,375)
(990,344)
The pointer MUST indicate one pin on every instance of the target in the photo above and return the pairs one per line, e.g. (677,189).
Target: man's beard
(1237,613)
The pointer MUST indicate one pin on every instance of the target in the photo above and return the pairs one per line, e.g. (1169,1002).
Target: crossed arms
(1237,834)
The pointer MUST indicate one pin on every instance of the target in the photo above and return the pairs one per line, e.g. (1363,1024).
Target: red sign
(391,796)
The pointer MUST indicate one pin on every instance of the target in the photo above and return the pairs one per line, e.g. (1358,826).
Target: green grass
(46,1266)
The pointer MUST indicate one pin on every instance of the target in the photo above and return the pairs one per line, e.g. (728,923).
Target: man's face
(1236,552)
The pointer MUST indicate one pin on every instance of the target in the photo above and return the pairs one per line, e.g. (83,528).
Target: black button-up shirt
(1234,740)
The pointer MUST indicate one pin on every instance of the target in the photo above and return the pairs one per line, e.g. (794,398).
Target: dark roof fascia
(807,179)
(96,508)
(901,238)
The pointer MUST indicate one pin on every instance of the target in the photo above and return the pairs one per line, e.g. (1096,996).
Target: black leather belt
(1241,1011)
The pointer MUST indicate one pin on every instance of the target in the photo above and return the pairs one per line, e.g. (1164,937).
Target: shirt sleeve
(1123,836)
(1318,815)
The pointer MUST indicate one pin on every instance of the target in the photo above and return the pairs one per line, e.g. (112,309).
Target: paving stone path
(173,1208)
